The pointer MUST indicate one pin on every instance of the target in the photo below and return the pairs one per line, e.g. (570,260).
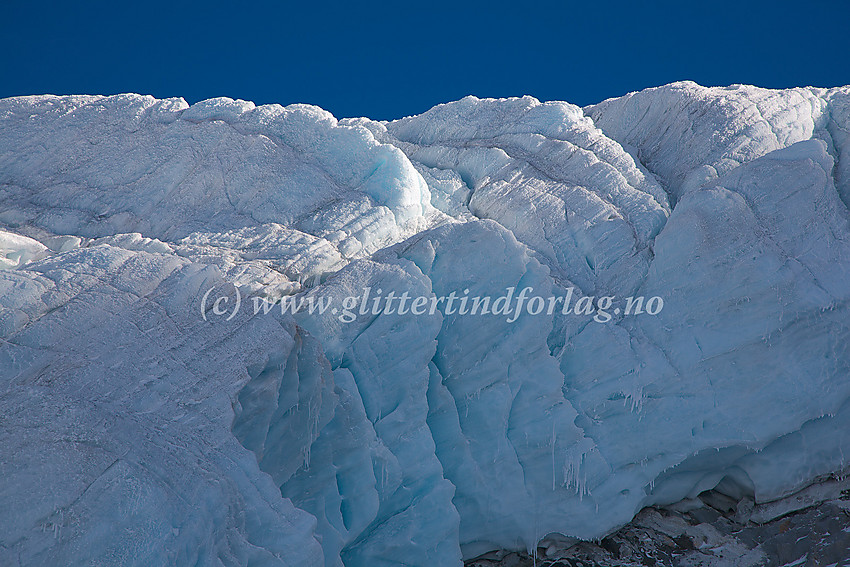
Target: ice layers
(136,431)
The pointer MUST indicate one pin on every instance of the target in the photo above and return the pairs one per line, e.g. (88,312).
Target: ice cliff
(137,430)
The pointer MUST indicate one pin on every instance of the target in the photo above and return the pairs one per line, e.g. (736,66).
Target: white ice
(134,431)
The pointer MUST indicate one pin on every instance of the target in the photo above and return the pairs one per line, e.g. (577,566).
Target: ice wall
(138,427)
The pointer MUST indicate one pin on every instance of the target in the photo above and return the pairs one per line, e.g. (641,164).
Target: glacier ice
(138,428)
(16,250)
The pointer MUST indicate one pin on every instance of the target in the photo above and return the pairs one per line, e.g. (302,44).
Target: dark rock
(703,537)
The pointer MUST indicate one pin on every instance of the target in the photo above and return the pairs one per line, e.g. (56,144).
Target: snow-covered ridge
(132,431)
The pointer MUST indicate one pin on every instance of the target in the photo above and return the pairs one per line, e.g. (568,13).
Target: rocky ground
(809,528)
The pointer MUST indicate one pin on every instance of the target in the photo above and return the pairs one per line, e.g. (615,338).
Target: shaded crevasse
(508,435)
(131,422)
(383,362)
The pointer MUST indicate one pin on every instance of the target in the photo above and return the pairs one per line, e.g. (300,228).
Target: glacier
(138,428)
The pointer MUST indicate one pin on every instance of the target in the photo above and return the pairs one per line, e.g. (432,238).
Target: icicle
(635,400)
(574,477)
(553,454)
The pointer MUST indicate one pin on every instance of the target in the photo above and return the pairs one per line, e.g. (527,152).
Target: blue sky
(386,60)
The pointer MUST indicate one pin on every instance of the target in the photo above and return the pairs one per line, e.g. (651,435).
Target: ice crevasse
(135,430)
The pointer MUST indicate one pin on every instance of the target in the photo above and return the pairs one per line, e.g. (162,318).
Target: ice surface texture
(135,432)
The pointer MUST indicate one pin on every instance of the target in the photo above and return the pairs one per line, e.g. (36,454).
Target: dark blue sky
(387,60)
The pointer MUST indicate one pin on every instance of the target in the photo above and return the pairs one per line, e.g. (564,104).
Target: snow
(136,431)
(16,250)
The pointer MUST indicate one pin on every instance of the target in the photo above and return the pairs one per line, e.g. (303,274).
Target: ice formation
(136,430)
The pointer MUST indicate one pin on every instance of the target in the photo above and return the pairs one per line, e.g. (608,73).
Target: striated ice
(137,427)
(679,128)
(546,173)
(127,397)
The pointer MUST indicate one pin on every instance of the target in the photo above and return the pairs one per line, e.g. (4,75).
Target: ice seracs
(683,131)
(136,429)
(97,166)
(16,250)
(545,172)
